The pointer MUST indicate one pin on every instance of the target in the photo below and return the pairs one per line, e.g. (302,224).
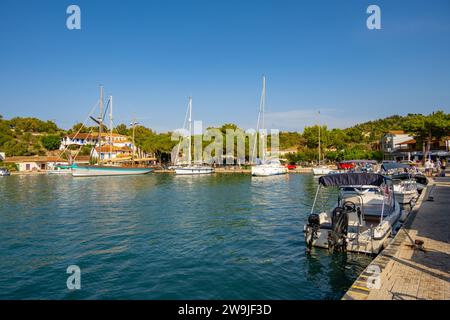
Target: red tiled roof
(114,149)
(93,135)
(412,141)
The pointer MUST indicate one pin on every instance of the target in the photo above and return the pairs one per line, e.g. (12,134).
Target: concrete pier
(409,269)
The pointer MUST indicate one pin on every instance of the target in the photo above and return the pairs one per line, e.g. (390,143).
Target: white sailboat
(320,170)
(192,169)
(267,167)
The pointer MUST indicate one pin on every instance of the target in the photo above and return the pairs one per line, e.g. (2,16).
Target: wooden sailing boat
(106,169)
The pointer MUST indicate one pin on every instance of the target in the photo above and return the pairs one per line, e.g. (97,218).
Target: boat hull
(369,240)
(321,171)
(406,197)
(193,170)
(265,171)
(59,172)
(94,171)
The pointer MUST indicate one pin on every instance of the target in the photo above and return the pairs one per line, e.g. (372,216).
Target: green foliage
(426,128)
(305,155)
(158,144)
(290,140)
(51,142)
(33,125)
(16,148)
(84,129)
(122,129)
(10,166)
(31,136)
(85,151)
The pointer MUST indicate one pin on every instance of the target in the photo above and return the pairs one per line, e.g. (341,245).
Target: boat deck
(409,272)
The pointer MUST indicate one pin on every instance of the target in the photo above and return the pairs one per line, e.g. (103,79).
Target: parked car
(291,166)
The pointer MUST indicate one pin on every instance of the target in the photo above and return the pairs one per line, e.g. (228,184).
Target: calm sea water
(161,236)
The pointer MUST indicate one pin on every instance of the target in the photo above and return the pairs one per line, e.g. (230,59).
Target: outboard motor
(311,230)
(337,237)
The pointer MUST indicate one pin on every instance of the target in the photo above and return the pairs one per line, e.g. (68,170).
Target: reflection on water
(165,236)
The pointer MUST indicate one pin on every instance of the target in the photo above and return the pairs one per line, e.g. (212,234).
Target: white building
(91,139)
(116,152)
(395,141)
(41,163)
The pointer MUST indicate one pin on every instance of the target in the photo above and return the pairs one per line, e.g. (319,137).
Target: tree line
(32,136)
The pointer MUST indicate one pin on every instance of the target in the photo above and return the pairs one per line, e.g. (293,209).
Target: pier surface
(409,271)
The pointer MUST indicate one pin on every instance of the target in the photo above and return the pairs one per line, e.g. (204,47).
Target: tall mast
(190,131)
(260,121)
(319,137)
(263,104)
(100,122)
(110,127)
(133,124)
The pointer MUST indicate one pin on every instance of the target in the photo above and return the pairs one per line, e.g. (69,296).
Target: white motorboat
(269,168)
(405,191)
(189,168)
(266,167)
(4,172)
(403,172)
(321,170)
(60,169)
(363,218)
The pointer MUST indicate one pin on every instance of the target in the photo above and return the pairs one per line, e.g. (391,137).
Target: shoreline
(405,269)
(217,170)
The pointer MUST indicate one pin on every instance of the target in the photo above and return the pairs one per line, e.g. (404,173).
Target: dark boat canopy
(352,179)
(394,165)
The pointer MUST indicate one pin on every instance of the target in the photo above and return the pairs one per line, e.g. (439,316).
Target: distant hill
(28,136)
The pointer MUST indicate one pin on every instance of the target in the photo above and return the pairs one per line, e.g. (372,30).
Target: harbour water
(161,236)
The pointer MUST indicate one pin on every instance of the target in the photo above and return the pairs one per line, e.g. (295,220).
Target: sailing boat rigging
(267,167)
(191,169)
(107,169)
(320,170)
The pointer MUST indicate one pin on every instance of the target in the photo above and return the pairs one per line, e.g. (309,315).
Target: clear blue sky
(151,55)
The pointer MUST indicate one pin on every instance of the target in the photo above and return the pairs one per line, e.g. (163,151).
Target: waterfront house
(106,152)
(397,145)
(41,163)
(91,139)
